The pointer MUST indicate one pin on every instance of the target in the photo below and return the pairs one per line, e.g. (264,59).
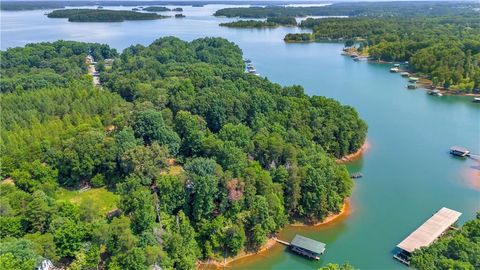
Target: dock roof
(308,244)
(430,230)
(458,148)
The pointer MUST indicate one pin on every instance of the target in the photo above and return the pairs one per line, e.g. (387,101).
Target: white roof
(430,230)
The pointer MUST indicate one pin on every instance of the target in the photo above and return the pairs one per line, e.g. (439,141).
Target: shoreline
(213,264)
(346,210)
(353,156)
(425,83)
(271,242)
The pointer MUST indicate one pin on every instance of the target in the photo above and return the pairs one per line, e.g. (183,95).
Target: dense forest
(102,15)
(459,249)
(445,49)
(205,160)
(356,9)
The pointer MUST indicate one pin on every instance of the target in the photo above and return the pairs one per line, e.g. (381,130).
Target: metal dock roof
(430,230)
(308,244)
(459,149)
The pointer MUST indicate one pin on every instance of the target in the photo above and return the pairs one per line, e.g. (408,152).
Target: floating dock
(427,233)
(356,175)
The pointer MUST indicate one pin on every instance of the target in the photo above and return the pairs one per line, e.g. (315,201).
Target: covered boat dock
(307,247)
(459,151)
(427,233)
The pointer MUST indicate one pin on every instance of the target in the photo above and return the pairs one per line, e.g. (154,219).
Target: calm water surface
(408,174)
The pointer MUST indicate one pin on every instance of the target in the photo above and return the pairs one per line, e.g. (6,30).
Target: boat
(413,79)
(404,74)
(411,86)
(394,70)
(396,65)
(435,92)
(247,61)
(476,99)
(252,71)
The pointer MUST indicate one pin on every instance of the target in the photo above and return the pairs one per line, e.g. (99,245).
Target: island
(179,15)
(178,9)
(102,15)
(249,24)
(156,9)
(269,22)
(177,157)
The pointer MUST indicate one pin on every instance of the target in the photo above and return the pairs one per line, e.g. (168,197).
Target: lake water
(408,173)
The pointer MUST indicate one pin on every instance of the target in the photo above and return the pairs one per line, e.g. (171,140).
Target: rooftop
(458,149)
(430,230)
(308,244)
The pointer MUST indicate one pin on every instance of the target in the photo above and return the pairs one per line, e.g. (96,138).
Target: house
(89,59)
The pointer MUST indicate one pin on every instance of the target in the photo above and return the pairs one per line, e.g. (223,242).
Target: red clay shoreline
(351,157)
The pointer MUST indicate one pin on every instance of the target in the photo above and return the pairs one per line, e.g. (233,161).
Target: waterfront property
(427,233)
(307,247)
(459,151)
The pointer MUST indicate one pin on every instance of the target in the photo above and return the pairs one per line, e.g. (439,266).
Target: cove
(408,173)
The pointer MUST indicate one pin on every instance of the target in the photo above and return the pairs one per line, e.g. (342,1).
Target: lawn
(101,198)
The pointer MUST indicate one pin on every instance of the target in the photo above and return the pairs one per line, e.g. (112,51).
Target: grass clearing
(101,198)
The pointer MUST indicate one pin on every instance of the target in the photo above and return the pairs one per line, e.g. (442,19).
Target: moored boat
(394,70)
(476,99)
(404,74)
(413,79)
(435,92)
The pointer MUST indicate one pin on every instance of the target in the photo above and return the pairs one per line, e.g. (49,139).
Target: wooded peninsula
(102,15)
(183,155)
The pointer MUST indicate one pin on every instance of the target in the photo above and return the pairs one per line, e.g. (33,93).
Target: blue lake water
(408,173)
